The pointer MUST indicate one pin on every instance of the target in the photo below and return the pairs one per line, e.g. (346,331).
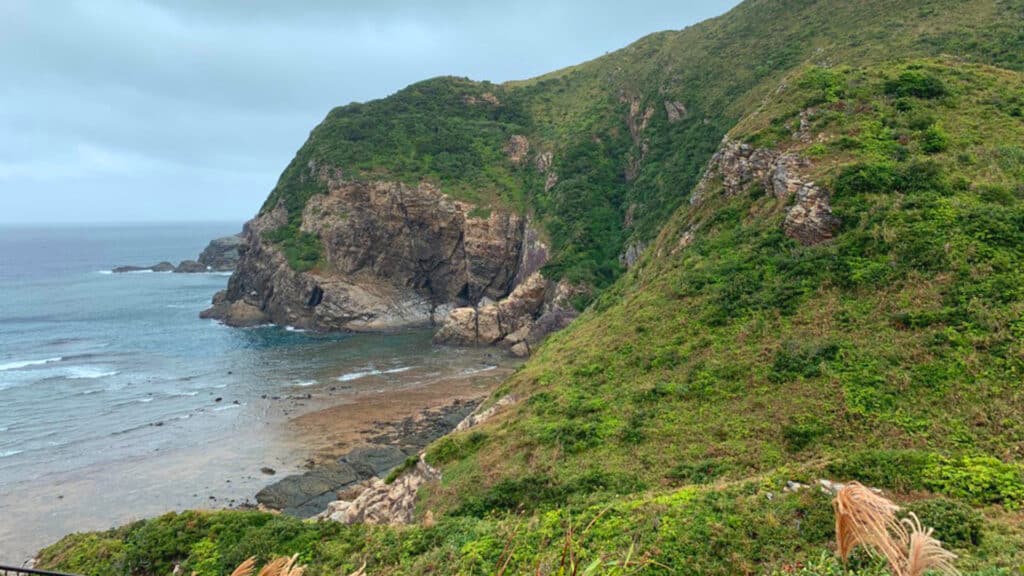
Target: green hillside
(611,163)
(658,432)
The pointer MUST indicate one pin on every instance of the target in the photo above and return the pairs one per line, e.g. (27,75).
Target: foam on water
(371,372)
(19,364)
(87,373)
(6,453)
(470,371)
(305,383)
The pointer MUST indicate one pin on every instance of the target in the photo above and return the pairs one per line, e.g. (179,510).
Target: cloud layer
(122,110)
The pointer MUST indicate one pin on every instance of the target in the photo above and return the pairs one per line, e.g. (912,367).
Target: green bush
(955,523)
(935,140)
(917,83)
(455,447)
(701,472)
(900,470)
(977,479)
(303,250)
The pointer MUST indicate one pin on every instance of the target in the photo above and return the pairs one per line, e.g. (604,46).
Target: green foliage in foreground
(745,528)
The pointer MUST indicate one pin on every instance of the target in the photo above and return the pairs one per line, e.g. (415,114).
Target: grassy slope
(441,129)
(662,425)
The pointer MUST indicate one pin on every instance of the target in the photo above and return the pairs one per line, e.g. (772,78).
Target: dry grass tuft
(925,552)
(245,568)
(283,566)
(869,520)
(866,519)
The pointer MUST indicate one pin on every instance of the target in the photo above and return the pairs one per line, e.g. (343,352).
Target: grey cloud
(184,109)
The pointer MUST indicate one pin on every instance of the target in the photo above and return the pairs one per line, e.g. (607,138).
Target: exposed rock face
(676,111)
(518,323)
(383,503)
(517,149)
(190,267)
(738,165)
(632,255)
(394,255)
(378,502)
(222,254)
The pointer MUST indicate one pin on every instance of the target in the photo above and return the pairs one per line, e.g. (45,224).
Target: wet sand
(330,432)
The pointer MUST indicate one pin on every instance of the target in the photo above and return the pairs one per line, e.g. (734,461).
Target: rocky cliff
(394,255)
(220,255)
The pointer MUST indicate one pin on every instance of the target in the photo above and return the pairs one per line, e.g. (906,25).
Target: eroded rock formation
(738,165)
(518,323)
(394,255)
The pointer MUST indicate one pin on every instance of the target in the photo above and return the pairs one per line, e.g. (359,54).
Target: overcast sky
(174,110)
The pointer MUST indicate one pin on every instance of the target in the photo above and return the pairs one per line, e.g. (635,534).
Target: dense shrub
(917,83)
(955,523)
(900,470)
(977,479)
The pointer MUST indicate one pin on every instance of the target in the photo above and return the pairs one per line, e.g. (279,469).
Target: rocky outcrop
(220,255)
(382,503)
(309,493)
(517,149)
(632,254)
(518,323)
(393,256)
(161,267)
(737,165)
(676,111)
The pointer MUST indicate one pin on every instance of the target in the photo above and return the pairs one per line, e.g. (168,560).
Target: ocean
(117,402)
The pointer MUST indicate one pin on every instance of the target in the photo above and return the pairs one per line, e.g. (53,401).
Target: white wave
(305,383)
(371,372)
(17,365)
(228,407)
(357,375)
(145,400)
(4,428)
(105,272)
(294,329)
(191,393)
(6,453)
(470,371)
(87,373)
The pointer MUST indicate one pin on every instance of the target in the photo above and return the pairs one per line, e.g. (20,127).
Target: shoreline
(380,432)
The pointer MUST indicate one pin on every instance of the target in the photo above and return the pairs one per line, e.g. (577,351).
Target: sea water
(117,401)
